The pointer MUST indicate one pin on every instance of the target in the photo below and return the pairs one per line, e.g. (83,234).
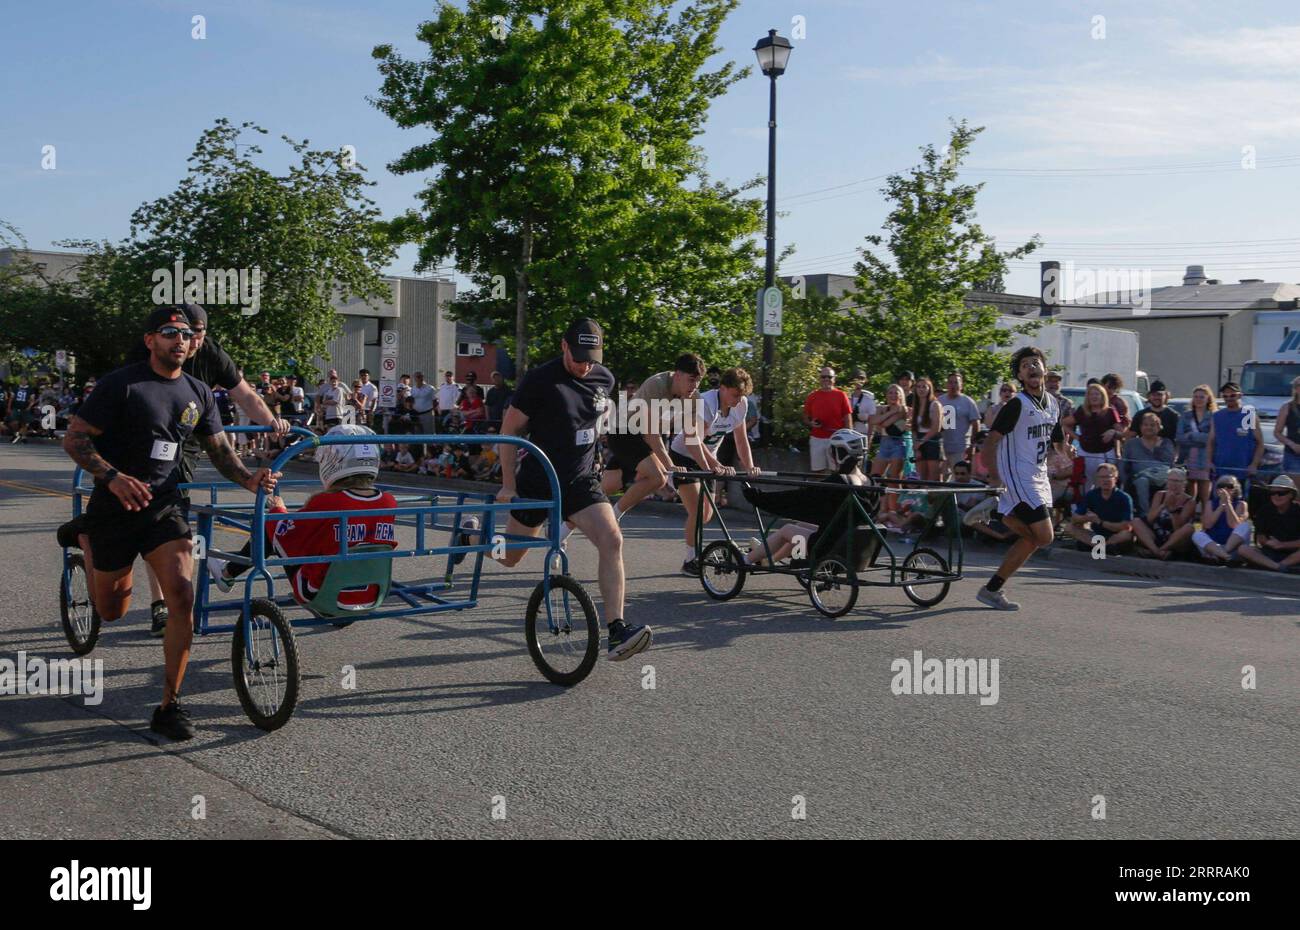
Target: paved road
(1108,686)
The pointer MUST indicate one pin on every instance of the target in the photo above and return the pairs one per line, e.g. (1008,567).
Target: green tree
(566,180)
(310,237)
(908,310)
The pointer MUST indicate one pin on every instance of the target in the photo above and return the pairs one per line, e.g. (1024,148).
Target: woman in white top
(719,413)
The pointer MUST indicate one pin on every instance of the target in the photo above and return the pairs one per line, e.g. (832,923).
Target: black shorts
(578,494)
(1029,515)
(627,451)
(929,451)
(1277,555)
(118,536)
(686,462)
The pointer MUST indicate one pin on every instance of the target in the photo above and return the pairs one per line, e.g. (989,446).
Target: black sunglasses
(173,331)
(1279,493)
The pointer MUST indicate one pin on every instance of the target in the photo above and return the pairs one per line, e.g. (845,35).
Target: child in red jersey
(348,474)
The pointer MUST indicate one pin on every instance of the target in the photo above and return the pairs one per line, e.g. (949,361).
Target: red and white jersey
(295,539)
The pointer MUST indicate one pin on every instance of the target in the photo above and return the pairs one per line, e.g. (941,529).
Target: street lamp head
(773,52)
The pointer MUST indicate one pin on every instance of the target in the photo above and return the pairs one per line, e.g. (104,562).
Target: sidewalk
(1063,553)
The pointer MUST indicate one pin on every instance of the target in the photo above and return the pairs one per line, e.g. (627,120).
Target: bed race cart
(850,548)
(560,621)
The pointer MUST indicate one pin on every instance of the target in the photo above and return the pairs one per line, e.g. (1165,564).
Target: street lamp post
(773,52)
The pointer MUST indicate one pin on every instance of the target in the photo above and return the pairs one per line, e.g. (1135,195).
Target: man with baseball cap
(1277,530)
(557,406)
(211,365)
(128,435)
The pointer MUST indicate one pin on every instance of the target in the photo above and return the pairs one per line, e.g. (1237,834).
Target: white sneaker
(996,600)
(217,569)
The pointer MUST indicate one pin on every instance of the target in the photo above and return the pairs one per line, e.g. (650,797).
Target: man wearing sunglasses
(211,365)
(128,435)
(825,410)
(1277,530)
(1236,443)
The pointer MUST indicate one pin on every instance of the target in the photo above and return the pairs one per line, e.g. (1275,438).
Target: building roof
(1254,295)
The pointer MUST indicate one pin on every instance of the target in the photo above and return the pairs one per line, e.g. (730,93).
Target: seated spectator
(1277,529)
(1105,511)
(912,513)
(406,462)
(1225,522)
(961,474)
(387,456)
(1167,526)
(1147,459)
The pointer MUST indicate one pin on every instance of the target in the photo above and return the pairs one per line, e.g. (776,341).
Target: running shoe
(463,539)
(158,619)
(69,532)
(996,599)
(691,567)
(172,722)
(626,640)
(217,571)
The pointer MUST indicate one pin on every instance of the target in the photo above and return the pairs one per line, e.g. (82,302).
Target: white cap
(337,462)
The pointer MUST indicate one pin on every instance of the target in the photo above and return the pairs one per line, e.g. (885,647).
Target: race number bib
(584,437)
(163,451)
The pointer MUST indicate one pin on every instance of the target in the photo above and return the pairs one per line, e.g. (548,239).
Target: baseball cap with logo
(164,316)
(586,340)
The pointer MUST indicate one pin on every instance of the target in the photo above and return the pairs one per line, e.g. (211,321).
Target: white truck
(1081,352)
(1274,362)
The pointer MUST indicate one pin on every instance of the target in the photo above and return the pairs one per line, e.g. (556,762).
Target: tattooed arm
(79,443)
(226,461)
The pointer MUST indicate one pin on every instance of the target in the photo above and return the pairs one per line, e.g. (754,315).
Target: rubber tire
(850,579)
(941,588)
(532,619)
(261,607)
(78,647)
(737,558)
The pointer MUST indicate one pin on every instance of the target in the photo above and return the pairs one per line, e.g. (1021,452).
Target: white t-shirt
(864,406)
(331,399)
(405,458)
(448,394)
(370,392)
(714,424)
(298,397)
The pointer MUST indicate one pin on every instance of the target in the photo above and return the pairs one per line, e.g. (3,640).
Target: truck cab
(1266,386)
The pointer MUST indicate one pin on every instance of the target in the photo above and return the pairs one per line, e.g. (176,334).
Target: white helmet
(847,444)
(337,462)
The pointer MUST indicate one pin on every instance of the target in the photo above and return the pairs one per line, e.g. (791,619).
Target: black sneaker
(691,567)
(172,722)
(69,532)
(463,539)
(626,640)
(158,617)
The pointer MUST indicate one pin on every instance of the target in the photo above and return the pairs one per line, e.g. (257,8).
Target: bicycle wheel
(563,642)
(833,587)
(264,656)
(81,620)
(722,570)
(927,560)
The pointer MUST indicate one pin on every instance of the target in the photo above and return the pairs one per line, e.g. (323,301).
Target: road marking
(32,488)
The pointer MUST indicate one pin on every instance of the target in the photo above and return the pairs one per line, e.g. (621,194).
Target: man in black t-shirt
(1277,529)
(557,406)
(211,365)
(128,435)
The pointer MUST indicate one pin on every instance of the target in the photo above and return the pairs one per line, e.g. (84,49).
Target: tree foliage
(311,234)
(908,309)
(565,178)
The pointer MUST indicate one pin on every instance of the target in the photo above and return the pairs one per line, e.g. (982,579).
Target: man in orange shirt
(824,411)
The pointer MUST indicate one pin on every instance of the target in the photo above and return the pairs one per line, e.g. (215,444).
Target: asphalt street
(1129,689)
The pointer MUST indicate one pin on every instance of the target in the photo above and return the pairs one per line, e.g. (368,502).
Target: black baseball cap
(198,316)
(166,315)
(1157,386)
(586,340)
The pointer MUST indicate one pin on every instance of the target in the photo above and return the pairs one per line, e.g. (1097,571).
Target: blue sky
(1122,150)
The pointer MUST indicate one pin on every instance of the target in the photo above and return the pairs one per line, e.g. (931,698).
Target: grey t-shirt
(964,413)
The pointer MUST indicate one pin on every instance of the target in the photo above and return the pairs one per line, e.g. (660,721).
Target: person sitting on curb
(914,510)
(1147,459)
(1277,529)
(1225,521)
(1167,525)
(1105,511)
